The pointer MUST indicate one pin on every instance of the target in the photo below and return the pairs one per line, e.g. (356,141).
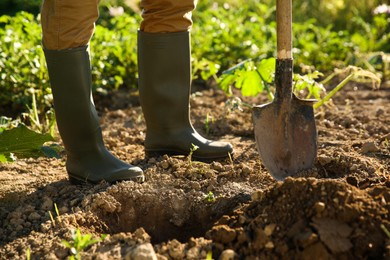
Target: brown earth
(231,209)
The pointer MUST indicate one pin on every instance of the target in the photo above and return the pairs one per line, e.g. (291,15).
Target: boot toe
(213,150)
(133,173)
(94,175)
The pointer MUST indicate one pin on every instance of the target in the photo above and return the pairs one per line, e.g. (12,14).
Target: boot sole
(156,153)
(79,181)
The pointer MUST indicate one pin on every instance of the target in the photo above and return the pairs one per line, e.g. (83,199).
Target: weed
(80,242)
(48,125)
(386,142)
(387,232)
(210,197)
(230,159)
(57,212)
(307,86)
(208,121)
(354,74)
(233,104)
(209,255)
(28,254)
(7,123)
(56,209)
(192,150)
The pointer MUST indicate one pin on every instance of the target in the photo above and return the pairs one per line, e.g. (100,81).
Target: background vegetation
(327,35)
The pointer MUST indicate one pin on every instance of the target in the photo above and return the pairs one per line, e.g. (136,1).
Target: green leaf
(251,84)
(51,151)
(225,82)
(103,236)
(3,158)
(22,142)
(266,68)
(66,244)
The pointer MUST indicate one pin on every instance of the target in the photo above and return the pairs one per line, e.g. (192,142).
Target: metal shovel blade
(286,136)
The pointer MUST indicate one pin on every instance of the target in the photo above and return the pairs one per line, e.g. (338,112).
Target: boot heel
(76,181)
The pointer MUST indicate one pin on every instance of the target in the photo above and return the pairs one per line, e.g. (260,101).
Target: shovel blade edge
(286,137)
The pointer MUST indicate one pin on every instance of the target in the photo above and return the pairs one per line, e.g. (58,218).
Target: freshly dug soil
(231,209)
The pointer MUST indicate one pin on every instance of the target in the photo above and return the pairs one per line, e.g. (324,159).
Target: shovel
(285,129)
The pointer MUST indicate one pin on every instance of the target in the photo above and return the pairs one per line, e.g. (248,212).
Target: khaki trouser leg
(165,16)
(68,23)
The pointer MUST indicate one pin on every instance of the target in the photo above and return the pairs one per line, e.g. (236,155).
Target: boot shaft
(164,64)
(70,79)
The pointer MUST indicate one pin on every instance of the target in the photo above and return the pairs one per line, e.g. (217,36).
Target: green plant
(227,33)
(114,54)
(209,255)
(209,120)
(373,35)
(24,83)
(22,64)
(307,86)
(250,78)
(192,150)
(387,232)
(28,253)
(230,159)
(7,123)
(209,197)
(80,242)
(57,212)
(353,74)
(253,80)
(45,125)
(20,142)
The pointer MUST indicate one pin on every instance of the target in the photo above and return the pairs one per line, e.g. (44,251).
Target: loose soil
(231,209)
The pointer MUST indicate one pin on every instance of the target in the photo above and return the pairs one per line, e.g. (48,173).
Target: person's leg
(67,28)
(164,64)
(167,16)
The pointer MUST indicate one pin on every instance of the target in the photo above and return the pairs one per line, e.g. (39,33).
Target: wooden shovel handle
(284,28)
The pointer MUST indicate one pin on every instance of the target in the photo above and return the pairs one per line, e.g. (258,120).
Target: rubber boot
(87,158)
(164,68)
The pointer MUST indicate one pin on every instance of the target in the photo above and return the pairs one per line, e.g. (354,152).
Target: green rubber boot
(87,158)
(164,68)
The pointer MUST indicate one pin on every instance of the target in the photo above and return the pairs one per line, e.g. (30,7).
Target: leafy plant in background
(252,80)
(374,36)
(23,71)
(114,54)
(22,64)
(223,37)
(227,33)
(224,33)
